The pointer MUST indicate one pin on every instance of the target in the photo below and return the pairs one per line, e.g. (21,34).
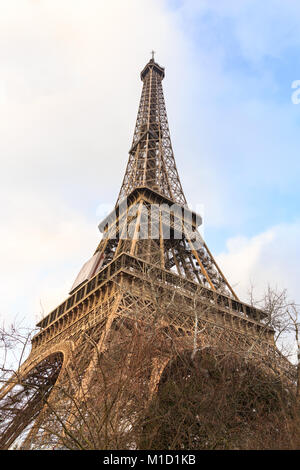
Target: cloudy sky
(69,92)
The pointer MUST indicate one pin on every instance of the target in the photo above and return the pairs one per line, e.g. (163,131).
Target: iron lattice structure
(151,160)
(151,273)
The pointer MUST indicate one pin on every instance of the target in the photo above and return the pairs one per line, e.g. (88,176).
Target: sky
(69,94)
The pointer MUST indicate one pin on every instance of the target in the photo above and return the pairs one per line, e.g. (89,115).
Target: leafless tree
(161,382)
(15,342)
(283,315)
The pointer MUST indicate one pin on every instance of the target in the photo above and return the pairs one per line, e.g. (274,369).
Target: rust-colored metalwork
(151,160)
(141,258)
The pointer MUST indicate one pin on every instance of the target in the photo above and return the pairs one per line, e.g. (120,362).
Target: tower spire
(151,167)
(151,160)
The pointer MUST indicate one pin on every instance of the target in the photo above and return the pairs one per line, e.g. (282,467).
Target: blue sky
(251,126)
(69,93)
(248,131)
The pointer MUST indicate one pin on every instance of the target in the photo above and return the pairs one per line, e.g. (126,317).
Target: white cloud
(271,257)
(43,244)
(69,92)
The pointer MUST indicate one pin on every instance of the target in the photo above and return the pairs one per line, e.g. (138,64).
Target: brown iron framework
(121,291)
(151,160)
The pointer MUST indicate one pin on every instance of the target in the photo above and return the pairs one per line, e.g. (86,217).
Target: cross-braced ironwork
(151,179)
(151,160)
(151,289)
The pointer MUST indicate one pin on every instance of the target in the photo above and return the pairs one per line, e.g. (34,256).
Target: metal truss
(161,286)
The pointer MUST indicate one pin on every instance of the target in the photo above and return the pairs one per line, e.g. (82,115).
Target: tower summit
(151,160)
(151,170)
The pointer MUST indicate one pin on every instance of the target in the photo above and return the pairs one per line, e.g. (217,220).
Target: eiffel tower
(151,270)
